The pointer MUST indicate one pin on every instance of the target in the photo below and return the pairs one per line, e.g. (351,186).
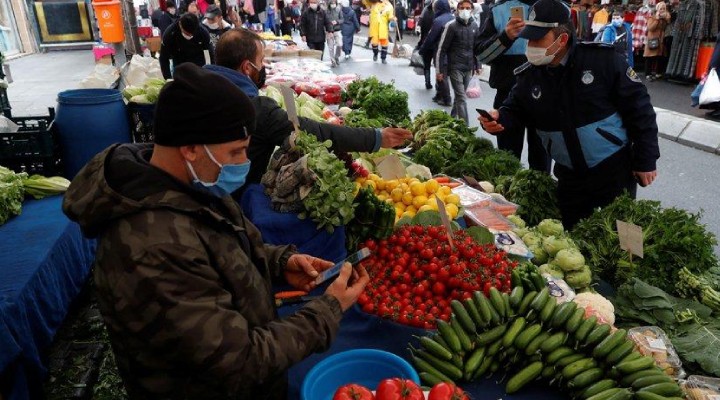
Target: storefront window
(9,39)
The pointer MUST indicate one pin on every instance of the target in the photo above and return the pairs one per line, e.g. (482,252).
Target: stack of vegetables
(554,252)
(533,191)
(15,186)
(376,102)
(147,94)
(529,336)
(416,272)
(410,196)
(374,219)
(306,106)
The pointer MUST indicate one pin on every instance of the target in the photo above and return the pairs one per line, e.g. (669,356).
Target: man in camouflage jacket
(183,278)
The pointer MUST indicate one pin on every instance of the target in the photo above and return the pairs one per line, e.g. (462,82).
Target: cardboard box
(153,44)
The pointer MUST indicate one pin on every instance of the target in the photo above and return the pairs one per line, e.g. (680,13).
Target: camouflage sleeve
(174,300)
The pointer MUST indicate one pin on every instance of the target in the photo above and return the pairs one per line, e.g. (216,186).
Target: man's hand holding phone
(488,121)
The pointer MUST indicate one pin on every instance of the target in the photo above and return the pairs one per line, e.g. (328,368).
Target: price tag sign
(390,167)
(631,237)
(446,222)
(289,99)
(657,344)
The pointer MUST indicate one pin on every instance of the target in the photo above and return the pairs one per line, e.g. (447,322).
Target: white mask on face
(313,6)
(186,36)
(212,25)
(537,55)
(464,14)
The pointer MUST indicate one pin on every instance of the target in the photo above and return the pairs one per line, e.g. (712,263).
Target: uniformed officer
(591,111)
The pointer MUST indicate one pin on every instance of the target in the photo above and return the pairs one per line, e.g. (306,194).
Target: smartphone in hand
(485,114)
(517,12)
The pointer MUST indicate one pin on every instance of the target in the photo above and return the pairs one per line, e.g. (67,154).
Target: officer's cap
(544,16)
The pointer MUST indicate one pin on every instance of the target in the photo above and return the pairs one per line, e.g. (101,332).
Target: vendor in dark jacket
(240,57)
(168,17)
(185,41)
(501,48)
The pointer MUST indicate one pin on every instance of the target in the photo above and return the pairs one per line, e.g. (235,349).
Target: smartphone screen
(517,12)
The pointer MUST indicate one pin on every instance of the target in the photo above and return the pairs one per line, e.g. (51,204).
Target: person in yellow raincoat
(381,13)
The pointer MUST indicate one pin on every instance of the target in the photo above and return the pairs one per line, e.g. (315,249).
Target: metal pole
(131,35)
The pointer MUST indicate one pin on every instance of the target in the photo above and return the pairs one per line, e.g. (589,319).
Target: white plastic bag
(473,91)
(711,91)
(103,77)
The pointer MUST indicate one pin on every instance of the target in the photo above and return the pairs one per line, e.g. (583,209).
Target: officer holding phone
(591,110)
(500,46)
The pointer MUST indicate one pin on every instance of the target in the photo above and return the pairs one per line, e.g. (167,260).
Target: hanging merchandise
(697,21)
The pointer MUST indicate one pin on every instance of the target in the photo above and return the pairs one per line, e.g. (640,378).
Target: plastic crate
(141,122)
(33,148)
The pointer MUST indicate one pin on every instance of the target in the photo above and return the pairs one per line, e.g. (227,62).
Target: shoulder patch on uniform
(632,75)
(519,70)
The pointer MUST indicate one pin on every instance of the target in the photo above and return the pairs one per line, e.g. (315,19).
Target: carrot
(451,184)
(289,294)
(442,179)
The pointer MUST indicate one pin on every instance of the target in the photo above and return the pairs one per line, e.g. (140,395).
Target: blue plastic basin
(365,367)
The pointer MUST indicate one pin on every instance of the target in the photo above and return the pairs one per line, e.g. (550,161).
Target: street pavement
(687,176)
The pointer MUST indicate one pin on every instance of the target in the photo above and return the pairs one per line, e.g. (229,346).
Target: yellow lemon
(432,203)
(357,188)
(432,186)
(381,197)
(408,214)
(398,213)
(425,208)
(360,180)
(417,188)
(370,184)
(389,201)
(400,207)
(407,198)
(452,199)
(404,187)
(452,210)
(445,190)
(391,185)
(380,184)
(441,197)
(411,209)
(419,201)
(396,194)
(374,177)
(384,193)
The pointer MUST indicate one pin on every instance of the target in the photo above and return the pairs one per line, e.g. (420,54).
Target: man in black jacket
(240,57)
(185,41)
(455,58)
(500,46)
(314,26)
(168,17)
(426,22)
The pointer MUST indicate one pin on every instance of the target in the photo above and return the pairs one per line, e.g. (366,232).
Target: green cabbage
(517,221)
(275,94)
(309,112)
(132,91)
(155,82)
(521,232)
(152,93)
(531,239)
(579,279)
(303,98)
(551,227)
(553,245)
(540,256)
(140,99)
(569,260)
(552,270)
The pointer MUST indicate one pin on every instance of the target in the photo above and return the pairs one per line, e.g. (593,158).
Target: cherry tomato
(353,392)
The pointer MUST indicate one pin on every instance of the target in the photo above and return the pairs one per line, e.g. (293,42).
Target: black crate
(4,102)
(33,148)
(141,121)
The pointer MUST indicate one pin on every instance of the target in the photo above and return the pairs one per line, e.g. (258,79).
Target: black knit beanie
(201,107)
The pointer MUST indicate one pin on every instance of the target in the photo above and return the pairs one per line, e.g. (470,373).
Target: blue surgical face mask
(231,178)
(617,22)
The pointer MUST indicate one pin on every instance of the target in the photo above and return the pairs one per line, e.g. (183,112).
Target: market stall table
(359,330)
(46,261)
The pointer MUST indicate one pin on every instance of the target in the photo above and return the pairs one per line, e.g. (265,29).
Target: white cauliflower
(595,304)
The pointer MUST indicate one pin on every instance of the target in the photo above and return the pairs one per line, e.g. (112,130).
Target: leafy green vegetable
(485,167)
(672,239)
(692,343)
(579,279)
(330,202)
(378,100)
(551,227)
(39,186)
(11,193)
(373,219)
(569,260)
(552,245)
(697,287)
(534,192)
(427,218)
(481,235)
(551,269)
(360,119)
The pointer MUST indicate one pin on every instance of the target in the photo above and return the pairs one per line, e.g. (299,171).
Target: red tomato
(353,392)
(447,391)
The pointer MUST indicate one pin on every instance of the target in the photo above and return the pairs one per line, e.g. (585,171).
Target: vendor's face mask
(186,36)
(262,75)
(538,55)
(313,6)
(231,177)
